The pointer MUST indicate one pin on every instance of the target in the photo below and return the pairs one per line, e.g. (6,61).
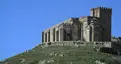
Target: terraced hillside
(43,54)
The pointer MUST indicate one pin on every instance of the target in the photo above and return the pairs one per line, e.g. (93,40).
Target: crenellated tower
(104,14)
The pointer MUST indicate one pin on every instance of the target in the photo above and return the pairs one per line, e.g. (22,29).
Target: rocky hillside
(43,54)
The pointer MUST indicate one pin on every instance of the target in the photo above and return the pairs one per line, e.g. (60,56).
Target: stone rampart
(103,44)
(81,43)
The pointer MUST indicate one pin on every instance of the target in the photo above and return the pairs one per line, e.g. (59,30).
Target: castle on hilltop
(96,27)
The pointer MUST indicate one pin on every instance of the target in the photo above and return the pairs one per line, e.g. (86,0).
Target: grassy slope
(62,55)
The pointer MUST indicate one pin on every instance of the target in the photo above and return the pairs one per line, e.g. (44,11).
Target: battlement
(103,9)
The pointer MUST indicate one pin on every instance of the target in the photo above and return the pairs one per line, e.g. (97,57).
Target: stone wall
(103,44)
(81,43)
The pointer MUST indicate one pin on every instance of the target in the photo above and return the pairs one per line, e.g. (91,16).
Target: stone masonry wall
(81,43)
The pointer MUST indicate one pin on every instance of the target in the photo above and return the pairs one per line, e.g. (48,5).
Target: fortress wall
(103,44)
(82,43)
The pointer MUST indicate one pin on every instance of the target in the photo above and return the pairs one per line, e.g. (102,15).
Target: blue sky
(22,21)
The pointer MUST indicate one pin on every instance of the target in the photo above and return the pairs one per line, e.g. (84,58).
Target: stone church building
(96,27)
